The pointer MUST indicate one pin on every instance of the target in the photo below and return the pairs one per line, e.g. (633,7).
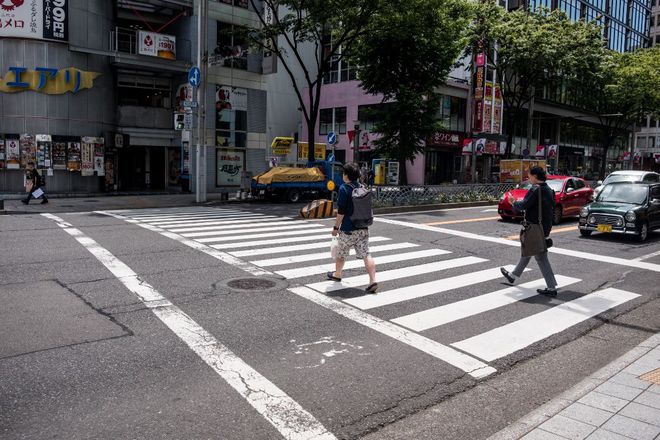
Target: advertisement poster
(468,144)
(157,45)
(12,147)
(28,150)
(38,19)
(59,155)
(2,153)
(73,162)
(44,143)
(99,157)
(229,167)
(230,98)
(319,151)
(87,158)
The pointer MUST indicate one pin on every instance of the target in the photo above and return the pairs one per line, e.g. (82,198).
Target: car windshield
(612,178)
(555,184)
(623,193)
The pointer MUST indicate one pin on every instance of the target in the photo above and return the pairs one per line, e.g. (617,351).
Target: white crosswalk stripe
(323,268)
(291,247)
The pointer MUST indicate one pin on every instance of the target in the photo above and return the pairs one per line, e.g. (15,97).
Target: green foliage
(405,55)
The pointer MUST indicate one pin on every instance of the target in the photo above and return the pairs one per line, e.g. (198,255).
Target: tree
(624,90)
(309,38)
(531,48)
(405,55)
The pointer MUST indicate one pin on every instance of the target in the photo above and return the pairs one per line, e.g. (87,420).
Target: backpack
(362,215)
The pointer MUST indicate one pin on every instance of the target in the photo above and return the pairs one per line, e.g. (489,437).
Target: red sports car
(571,194)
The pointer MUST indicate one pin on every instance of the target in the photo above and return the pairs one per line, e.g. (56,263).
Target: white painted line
(284,413)
(468,364)
(555,250)
(354,264)
(512,337)
(323,243)
(219,225)
(425,289)
(215,253)
(142,216)
(411,271)
(238,229)
(431,210)
(318,238)
(264,235)
(174,218)
(213,221)
(647,256)
(326,255)
(455,311)
(490,210)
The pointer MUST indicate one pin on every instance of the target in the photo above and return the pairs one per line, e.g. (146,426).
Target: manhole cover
(251,284)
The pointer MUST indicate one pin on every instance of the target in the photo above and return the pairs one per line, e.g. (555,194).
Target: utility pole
(200,148)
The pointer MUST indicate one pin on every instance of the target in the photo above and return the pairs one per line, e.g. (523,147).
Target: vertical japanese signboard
(44,151)
(87,157)
(73,160)
(28,150)
(12,147)
(229,167)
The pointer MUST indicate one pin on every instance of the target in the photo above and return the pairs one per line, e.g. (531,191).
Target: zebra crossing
(407,273)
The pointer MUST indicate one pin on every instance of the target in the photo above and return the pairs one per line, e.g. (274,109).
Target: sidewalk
(619,402)
(105,202)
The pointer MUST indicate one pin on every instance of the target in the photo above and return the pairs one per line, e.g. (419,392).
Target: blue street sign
(194,76)
(332,138)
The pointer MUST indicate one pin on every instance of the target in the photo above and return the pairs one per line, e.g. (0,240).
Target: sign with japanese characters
(47,80)
(38,19)
(157,45)
(229,167)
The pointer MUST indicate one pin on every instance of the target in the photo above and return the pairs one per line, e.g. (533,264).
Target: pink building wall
(350,95)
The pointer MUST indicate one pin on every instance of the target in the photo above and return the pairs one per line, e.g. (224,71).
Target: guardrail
(421,195)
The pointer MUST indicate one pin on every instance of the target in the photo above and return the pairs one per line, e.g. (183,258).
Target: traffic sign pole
(196,78)
(332,140)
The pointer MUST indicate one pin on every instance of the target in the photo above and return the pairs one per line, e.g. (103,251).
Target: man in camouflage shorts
(348,235)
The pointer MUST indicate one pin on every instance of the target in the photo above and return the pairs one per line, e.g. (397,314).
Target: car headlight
(630,216)
(592,220)
(502,197)
(584,212)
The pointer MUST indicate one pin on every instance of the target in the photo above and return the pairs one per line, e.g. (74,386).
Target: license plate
(604,228)
(262,192)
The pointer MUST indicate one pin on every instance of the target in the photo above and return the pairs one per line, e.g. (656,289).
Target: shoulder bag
(532,237)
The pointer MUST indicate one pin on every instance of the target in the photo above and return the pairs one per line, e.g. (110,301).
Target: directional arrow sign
(332,138)
(194,76)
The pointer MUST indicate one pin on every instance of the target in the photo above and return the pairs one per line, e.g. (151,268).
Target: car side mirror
(568,190)
(655,202)
(599,183)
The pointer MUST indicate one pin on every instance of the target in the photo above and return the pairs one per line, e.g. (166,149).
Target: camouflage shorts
(358,239)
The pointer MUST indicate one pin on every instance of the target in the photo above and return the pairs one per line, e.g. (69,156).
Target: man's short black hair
(352,170)
(539,173)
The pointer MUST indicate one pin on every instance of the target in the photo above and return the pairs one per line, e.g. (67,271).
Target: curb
(545,412)
(430,207)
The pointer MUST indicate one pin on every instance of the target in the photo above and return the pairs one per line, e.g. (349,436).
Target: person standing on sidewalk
(351,235)
(530,205)
(34,184)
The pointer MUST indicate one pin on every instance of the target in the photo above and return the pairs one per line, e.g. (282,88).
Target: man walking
(352,235)
(34,185)
(530,204)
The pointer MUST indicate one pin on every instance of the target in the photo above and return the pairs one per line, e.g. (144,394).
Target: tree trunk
(403,173)
(603,163)
(530,123)
(311,135)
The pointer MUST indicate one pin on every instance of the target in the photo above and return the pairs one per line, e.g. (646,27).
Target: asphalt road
(126,324)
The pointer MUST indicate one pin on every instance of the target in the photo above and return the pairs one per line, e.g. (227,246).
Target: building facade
(101,101)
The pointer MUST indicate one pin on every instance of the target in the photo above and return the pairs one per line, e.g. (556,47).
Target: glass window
(325,120)
(340,68)
(579,183)
(239,3)
(233,46)
(231,117)
(332,117)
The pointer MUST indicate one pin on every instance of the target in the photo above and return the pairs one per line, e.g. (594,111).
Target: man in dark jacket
(530,204)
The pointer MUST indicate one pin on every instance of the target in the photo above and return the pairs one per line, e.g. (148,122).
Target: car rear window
(622,178)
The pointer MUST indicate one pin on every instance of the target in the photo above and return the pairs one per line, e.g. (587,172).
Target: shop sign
(28,145)
(47,80)
(157,45)
(446,138)
(229,167)
(37,19)
(12,146)
(44,148)
(93,156)
(281,145)
(468,145)
(230,98)
(552,151)
(303,151)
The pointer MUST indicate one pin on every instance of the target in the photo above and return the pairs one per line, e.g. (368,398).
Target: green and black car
(623,208)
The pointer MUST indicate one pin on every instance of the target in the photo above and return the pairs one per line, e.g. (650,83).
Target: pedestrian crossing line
(316,238)
(264,235)
(146,214)
(219,226)
(517,335)
(300,272)
(326,255)
(213,221)
(183,214)
(198,217)
(299,227)
(393,274)
(322,243)
(474,367)
(455,311)
(425,289)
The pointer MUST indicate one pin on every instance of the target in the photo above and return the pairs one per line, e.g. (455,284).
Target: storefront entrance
(142,168)
(441,167)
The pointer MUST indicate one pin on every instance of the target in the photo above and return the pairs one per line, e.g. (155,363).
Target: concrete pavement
(620,401)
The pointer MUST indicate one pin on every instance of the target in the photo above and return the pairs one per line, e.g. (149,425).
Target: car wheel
(585,233)
(293,195)
(505,218)
(643,233)
(557,215)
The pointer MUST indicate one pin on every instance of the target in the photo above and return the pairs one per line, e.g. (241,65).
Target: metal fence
(420,195)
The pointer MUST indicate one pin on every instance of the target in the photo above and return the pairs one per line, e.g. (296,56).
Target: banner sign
(59,155)
(229,167)
(37,19)
(43,151)
(12,146)
(87,157)
(230,98)
(28,150)
(281,145)
(73,159)
(47,80)
(157,45)
(319,151)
